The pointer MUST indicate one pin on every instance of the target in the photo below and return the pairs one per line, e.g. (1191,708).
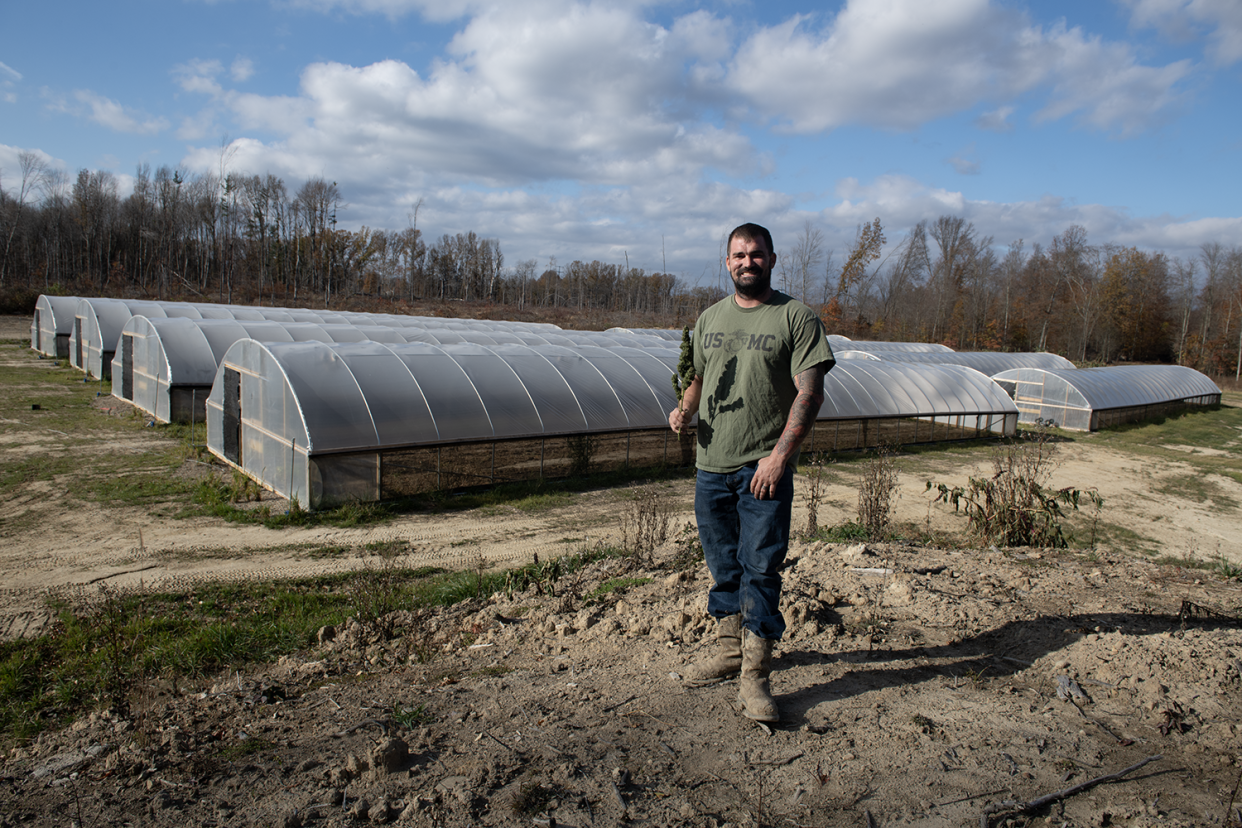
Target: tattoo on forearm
(806,405)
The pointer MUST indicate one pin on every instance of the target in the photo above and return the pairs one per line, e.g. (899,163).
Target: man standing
(759,361)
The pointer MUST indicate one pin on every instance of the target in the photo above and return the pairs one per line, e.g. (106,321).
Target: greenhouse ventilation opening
(325,423)
(1088,399)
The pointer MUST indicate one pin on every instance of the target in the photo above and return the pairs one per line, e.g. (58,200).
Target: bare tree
(1182,279)
(807,253)
(33,178)
(955,238)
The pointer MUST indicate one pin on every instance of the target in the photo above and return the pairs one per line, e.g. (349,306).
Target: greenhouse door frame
(231,416)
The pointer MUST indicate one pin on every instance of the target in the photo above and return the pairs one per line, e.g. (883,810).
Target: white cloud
(199,76)
(901,63)
(9,78)
(105,112)
(1106,86)
(242,69)
(997,120)
(431,9)
(1218,21)
(586,130)
(596,95)
(966,162)
(902,201)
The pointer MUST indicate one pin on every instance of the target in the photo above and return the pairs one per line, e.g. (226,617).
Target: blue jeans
(744,541)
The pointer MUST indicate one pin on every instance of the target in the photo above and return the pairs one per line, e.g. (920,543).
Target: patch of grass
(329,552)
(1209,439)
(1116,536)
(1208,427)
(137,490)
(1198,487)
(217,497)
(614,586)
(15,474)
(849,532)
(1217,565)
(105,644)
(411,717)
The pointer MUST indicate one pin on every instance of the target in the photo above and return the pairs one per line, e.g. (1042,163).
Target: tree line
(247,239)
(945,282)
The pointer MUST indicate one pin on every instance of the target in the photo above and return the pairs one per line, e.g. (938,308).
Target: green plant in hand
(685,368)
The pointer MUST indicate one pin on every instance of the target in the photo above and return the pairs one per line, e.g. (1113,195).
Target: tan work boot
(754,692)
(727,662)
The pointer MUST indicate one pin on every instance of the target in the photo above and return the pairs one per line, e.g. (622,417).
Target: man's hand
(768,472)
(680,417)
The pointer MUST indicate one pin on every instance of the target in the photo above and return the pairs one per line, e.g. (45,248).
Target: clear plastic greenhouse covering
(166,366)
(671,334)
(330,422)
(1088,399)
(52,325)
(881,390)
(276,409)
(96,323)
(987,362)
(844,343)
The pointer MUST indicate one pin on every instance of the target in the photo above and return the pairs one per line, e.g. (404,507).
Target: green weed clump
(1014,507)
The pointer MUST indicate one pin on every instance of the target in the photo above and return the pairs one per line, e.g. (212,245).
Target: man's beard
(755,289)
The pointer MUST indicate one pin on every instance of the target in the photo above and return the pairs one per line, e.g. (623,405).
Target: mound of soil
(917,687)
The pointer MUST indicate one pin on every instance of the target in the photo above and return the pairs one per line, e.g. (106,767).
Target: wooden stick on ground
(1048,799)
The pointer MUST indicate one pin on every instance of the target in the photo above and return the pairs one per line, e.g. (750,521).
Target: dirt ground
(918,686)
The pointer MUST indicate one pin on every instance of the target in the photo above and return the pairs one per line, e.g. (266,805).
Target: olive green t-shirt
(748,358)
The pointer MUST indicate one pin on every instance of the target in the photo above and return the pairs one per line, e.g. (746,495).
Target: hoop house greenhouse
(97,322)
(869,404)
(166,366)
(1088,399)
(97,325)
(52,325)
(326,423)
(986,362)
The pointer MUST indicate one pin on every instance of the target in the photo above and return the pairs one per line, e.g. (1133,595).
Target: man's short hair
(751,232)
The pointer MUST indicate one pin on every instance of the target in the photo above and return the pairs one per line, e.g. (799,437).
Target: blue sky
(643,131)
